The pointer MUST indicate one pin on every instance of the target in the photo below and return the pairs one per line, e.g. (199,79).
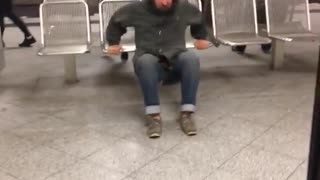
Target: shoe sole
(154,135)
(192,133)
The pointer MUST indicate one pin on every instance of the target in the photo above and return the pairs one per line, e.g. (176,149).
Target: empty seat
(65,30)
(65,27)
(235,22)
(289,20)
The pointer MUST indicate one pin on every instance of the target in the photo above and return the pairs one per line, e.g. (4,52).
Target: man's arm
(118,25)
(197,27)
(196,22)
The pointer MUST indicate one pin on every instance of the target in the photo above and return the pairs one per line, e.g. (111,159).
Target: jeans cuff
(188,107)
(152,109)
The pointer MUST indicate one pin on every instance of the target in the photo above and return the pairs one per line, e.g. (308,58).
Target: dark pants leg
(2,23)
(18,22)
(150,73)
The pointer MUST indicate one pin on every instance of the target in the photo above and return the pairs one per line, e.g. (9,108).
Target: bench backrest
(234,16)
(64,22)
(287,16)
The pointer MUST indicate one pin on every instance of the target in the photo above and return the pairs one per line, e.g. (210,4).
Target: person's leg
(148,71)
(2,23)
(188,66)
(17,21)
(2,27)
(29,39)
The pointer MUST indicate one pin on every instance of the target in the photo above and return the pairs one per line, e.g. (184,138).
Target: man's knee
(146,63)
(189,59)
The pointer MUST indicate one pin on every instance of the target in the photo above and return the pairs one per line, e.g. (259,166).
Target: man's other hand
(202,44)
(114,50)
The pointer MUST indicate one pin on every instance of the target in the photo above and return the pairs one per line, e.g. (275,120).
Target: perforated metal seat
(235,22)
(65,27)
(65,30)
(289,20)
(106,9)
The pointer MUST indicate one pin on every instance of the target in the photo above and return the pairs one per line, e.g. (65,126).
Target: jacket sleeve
(196,22)
(118,25)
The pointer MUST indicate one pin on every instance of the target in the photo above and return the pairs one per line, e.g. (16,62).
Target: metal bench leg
(277,54)
(70,69)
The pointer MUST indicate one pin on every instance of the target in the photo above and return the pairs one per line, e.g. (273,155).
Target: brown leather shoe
(154,126)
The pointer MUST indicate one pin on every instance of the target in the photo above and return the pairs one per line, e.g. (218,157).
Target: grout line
(300,165)
(151,161)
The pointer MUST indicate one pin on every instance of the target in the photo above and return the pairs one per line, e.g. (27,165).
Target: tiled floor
(254,124)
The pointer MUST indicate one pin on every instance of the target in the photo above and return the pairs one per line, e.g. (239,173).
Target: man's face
(163,5)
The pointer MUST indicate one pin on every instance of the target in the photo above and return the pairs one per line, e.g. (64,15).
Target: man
(6,10)
(161,56)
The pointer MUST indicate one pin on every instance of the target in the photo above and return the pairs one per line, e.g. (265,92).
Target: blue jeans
(150,73)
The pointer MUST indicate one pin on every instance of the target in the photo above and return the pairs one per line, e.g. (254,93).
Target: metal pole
(314,156)
(70,68)
(2,61)
(277,53)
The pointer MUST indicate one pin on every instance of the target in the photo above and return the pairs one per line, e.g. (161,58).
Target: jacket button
(160,32)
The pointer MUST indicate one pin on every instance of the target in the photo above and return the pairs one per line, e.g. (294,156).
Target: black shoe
(28,41)
(238,49)
(266,48)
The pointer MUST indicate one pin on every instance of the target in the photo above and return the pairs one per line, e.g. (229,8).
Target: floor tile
(5,176)
(74,142)
(289,143)
(253,163)
(297,121)
(12,146)
(45,130)
(85,170)
(38,163)
(206,151)
(124,156)
(300,173)
(235,129)
(12,116)
(170,166)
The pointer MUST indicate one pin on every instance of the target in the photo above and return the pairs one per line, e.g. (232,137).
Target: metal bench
(107,9)
(235,22)
(287,21)
(65,30)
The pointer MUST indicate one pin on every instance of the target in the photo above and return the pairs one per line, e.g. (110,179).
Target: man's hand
(114,50)
(202,44)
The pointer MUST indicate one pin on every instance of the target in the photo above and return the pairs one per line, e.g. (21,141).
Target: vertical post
(2,61)
(70,68)
(277,53)
(314,156)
